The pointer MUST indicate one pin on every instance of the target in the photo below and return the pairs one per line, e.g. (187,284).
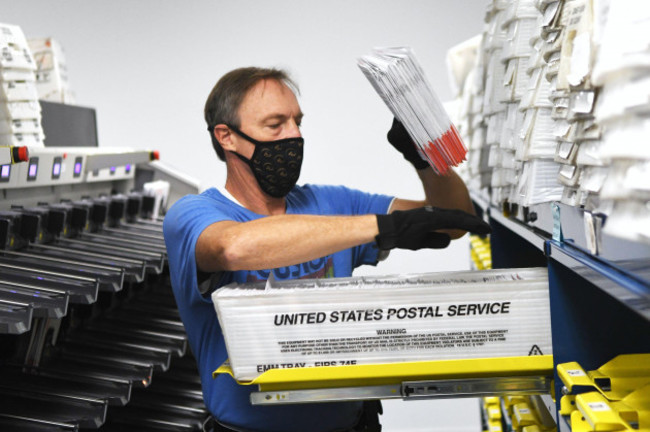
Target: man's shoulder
(191,205)
(211,195)
(336,193)
(326,199)
(339,199)
(321,189)
(195,212)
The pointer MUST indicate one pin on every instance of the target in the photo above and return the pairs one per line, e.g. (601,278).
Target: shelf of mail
(570,225)
(514,242)
(574,238)
(532,223)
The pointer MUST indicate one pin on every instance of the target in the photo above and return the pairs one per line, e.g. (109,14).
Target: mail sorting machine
(90,337)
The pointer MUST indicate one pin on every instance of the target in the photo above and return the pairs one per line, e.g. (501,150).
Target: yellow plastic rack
(395,373)
(615,397)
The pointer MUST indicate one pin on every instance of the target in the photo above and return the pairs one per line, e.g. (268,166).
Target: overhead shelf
(628,287)
(620,267)
(532,235)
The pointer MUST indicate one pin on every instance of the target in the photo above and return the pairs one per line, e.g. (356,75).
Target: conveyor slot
(81,290)
(86,412)
(110,278)
(134,269)
(46,303)
(15,317)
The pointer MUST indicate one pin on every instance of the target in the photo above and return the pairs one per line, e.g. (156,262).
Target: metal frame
(410,390)
(600,297)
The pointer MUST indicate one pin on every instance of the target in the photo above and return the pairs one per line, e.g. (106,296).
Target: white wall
(148,65)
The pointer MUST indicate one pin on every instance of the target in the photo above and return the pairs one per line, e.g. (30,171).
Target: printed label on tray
(598,406)
(393,340)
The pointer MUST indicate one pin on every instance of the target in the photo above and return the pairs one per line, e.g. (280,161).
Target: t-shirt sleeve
(344,200)
(182,226)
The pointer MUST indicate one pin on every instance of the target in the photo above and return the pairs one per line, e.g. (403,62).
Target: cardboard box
(381,320)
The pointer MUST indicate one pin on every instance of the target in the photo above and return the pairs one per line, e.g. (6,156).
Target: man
(263,223)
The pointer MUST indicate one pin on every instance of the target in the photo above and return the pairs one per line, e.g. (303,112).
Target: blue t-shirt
(226,400)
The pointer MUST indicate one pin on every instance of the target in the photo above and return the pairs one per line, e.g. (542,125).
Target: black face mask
(275,164)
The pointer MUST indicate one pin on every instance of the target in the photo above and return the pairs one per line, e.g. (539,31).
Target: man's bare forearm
(446,191)
(278,241)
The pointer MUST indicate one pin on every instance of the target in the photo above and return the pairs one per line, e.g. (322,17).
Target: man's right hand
(416,229)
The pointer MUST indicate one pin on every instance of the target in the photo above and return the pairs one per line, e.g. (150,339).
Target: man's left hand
(401,140)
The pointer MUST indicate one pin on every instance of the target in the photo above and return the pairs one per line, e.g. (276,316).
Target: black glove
(400,139)
(415,229)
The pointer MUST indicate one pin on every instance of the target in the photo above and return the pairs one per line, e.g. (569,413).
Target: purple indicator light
(112,170)
(77,168)
(32,170)
(127,168)
(56,169)
(4,172)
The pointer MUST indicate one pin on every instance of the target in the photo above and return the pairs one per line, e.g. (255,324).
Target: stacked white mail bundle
(491,79)
(483,109)
(462,63)
(20,112)
(399,80)
(52,73)
(380,320)
(515,127)
(623,111)
(577,133)
(534,141)
(586,106)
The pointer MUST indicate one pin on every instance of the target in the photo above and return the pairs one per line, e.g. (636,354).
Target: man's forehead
(267,87)
(270,95)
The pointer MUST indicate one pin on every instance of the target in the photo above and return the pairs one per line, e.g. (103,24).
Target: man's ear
(224,135)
